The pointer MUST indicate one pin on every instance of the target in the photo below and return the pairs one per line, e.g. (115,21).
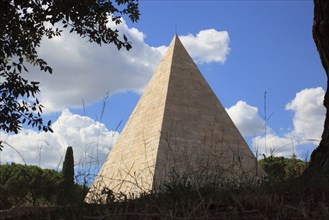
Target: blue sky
(243,48)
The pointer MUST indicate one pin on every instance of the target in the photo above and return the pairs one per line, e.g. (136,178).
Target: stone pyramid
(178,127)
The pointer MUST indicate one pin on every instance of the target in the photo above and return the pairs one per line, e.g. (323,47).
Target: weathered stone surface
(178,126)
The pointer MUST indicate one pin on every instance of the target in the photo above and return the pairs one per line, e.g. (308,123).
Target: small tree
(68,177)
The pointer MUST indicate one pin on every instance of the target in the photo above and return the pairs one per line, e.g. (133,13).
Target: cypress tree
(68,177)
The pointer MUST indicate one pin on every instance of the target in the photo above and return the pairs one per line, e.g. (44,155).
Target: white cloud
(88,71)
(274,145)
(87,137)
(308,119)
(207,46)
(246,118)
(309,113)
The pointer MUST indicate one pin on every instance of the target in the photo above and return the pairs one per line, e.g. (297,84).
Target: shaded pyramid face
(178,127)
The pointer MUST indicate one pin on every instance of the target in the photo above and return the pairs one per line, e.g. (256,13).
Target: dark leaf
(25,68)
(19,67)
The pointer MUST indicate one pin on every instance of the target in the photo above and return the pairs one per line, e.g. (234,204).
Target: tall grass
(289,199)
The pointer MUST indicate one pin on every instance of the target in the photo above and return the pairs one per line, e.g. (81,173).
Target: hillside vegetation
(283,194)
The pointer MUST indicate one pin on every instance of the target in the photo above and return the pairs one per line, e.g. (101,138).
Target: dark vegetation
(29,185)
(279,169)
(283,194)
(67,184)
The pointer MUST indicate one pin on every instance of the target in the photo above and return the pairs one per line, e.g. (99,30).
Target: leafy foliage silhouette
(23,24)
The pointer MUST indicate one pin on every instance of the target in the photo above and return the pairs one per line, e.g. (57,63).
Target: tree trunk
(320,156)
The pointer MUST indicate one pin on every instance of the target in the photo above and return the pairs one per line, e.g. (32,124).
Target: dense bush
(31,185)
(281,168)
(26,184)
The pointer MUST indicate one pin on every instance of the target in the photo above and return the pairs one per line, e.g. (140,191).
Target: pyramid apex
(175,38)
(176,54)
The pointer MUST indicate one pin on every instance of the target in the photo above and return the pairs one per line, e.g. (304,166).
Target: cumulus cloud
(90,140)
(246,118)
(272,144)
(309,113)
(208,45)
(308,120)
(88,71)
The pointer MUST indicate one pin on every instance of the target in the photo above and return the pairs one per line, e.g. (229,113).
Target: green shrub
(27,184)
(281,168)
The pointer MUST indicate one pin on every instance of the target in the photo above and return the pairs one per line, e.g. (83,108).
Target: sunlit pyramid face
(177,127)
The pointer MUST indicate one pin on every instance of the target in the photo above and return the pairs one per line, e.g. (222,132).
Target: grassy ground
(275,197)
(291,199)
